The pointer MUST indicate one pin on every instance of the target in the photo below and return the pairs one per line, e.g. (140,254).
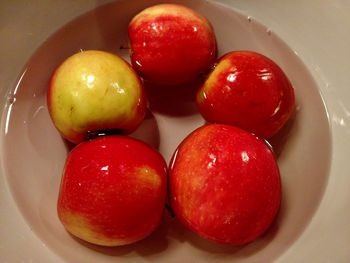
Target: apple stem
(203,76)
(169,210)
(124,47)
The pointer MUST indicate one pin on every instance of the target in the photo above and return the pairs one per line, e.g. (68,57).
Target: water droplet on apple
(212,163)
(245,156)
(11,99)
(90,135)
(138,63)
(204,95)
(268,144)
(173,159)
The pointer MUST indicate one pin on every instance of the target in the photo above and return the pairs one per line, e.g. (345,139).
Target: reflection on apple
(224,184)
(112,191)
(171,44)
(94,90)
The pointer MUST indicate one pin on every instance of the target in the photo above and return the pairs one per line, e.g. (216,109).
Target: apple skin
(248,90)
(224,184)
(94,90)
(171,44)
(113,190)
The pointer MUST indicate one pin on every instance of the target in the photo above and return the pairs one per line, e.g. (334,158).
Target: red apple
(95,90)
(248,90)
(113,190)
(171,44)
(224,184)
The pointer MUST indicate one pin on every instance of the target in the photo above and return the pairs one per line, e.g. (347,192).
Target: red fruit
(171,44)
(224,184)
(248,90)
(113,191)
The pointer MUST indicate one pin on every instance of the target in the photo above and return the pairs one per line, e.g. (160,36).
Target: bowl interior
(34,152)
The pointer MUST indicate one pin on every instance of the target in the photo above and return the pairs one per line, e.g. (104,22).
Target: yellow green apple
(95,90)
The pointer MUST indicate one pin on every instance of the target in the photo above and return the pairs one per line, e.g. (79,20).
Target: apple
(95,90)
(248,90)
(224,184)
(113,190)
(171,44)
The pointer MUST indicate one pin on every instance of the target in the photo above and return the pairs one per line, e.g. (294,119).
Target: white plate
(308,40)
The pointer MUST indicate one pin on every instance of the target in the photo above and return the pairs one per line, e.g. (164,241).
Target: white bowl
(307,39)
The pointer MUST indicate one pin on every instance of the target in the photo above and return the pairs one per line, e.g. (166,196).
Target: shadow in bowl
(280,139)
(173,100)
(147,132)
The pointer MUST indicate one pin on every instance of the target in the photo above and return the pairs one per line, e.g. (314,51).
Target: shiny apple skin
(171,44)
(248,90)
(224,184)
(95,90)
(112,191)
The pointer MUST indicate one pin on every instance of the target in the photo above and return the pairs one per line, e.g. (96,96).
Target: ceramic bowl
(312,148)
